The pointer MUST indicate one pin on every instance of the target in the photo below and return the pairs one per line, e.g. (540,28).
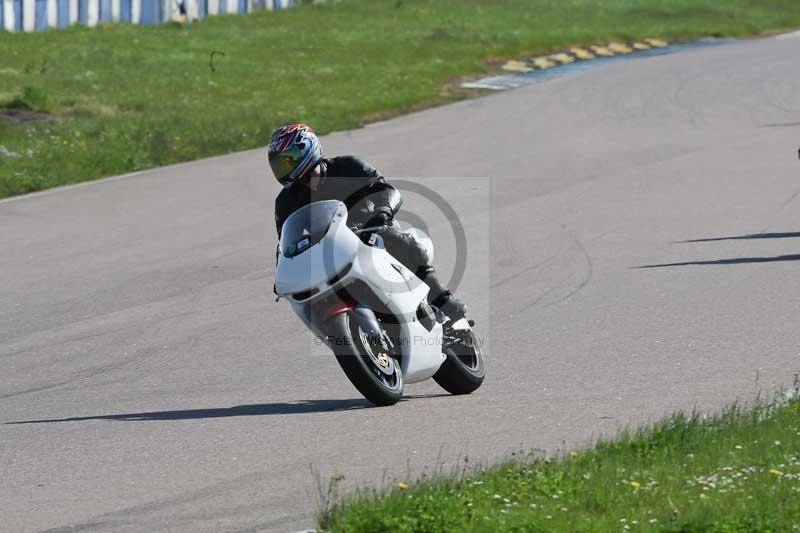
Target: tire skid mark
(525,270)
(588,273)
(110,367)
(84,374)
(134,515)
(587,277)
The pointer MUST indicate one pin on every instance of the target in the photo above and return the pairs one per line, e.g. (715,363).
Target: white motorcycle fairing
(317,263)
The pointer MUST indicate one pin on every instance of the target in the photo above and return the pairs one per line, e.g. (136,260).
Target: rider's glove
(380,218)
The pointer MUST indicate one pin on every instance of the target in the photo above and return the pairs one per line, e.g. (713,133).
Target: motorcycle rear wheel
(463,371)
(373,372)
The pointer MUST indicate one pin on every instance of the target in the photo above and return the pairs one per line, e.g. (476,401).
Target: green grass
(121,98)
(739,471)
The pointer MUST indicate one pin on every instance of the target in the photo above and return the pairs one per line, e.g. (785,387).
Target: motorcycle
(370,310)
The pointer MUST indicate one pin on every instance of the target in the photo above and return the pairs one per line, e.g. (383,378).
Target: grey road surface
(149,382)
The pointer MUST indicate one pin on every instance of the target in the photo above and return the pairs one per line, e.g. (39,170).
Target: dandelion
(635,484)
(573,454)
(402,486)
(775,472)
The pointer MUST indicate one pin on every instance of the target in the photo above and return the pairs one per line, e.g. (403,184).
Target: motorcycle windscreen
(307,226)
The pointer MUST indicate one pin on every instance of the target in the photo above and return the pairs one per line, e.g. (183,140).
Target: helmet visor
(283,163)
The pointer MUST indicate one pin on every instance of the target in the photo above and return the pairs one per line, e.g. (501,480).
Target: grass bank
(78,104)
(736,472)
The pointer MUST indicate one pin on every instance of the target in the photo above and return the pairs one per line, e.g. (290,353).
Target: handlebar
(374,229)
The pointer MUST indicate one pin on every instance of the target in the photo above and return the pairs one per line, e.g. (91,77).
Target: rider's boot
(441,297)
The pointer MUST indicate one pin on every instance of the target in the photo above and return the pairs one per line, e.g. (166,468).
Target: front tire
(373,372)
(463,371)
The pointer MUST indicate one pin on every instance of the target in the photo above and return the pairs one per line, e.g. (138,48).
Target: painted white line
(790,35)
(90,183)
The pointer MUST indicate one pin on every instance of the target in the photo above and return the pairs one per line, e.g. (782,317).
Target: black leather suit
(370,201)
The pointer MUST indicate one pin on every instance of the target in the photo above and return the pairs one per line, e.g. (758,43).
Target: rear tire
(361,361)
(463,371)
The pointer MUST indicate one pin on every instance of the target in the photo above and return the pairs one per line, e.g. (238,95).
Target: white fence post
(52,13)
(192,10)
(28,15)
(89,11)
(136,11)
(92,12)
(8,15)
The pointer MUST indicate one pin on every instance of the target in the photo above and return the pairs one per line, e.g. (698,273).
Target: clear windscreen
(307,226)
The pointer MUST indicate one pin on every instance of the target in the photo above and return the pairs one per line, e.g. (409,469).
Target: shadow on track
(733,261)
(745,237)
(302,407)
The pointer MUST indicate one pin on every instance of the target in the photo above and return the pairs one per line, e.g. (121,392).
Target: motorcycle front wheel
(374,372)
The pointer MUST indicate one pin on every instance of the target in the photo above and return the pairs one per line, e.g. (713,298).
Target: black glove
(376,220)
(380,218)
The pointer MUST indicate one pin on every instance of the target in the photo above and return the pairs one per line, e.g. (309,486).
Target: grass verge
(78,104)
(739,471)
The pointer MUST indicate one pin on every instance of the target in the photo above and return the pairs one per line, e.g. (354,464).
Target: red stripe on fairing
(338,308)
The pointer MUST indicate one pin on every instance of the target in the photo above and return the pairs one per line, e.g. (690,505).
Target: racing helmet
(293,151)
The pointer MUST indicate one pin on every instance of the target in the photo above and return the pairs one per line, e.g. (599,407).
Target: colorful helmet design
(293,151)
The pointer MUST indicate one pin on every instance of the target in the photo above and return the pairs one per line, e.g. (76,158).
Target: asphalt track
(150,382)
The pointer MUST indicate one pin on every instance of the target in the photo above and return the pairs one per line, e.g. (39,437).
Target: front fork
(364,316)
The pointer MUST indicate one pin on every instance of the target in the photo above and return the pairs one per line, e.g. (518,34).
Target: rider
(295,155)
